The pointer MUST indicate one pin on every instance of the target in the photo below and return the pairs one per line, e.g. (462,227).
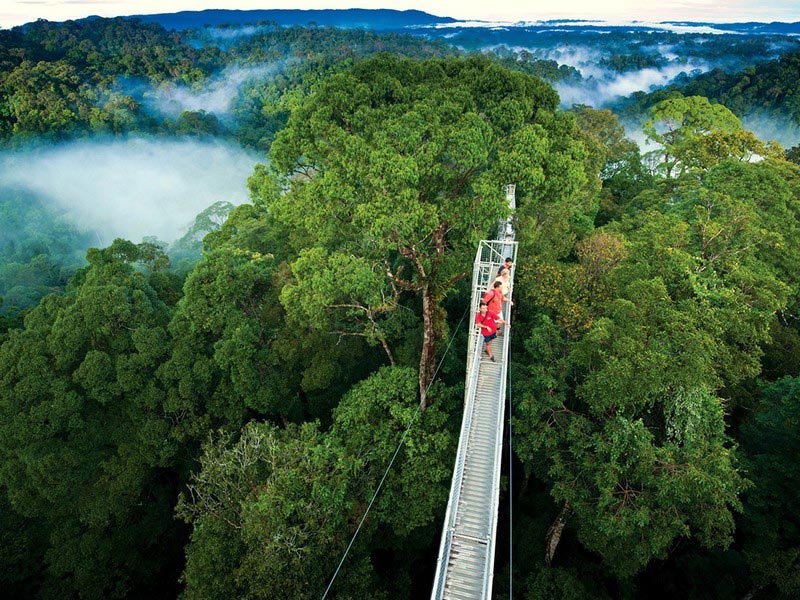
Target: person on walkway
(505,265)
(505,279)
(487,321)
(494,298)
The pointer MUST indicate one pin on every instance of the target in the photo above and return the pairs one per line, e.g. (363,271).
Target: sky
(17,12)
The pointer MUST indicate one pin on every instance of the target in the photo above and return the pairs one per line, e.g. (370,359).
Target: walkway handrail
(490,255)
(458,473)
(498,452)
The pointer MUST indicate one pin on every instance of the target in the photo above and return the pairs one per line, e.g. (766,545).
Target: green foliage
(647,454)
(273,509)
(303,58)
(186,251)
(65,79)
(648,306)
(269,513)
(615,157)
(221,366)
(770,189)
(39,249)
(385,219)
(21,551)
(198,123)
(638,453)
(83,440)
(770,531)
(343,295)
(59,80)
(527,63)
(767,90)
(556,184)
(695,134)
(649,330)
(563,583)
(623,63)
(369,423)
(46,97)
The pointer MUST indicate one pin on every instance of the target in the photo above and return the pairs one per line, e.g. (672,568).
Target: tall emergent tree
(390,174)
(695,134)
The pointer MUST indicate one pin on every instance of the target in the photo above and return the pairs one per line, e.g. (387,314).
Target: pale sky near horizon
(17,12)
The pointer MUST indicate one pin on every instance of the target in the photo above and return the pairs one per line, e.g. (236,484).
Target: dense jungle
(234,258)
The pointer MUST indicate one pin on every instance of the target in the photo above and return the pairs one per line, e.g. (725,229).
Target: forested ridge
(218,430)
(77,78)
(767,91)
(770,87)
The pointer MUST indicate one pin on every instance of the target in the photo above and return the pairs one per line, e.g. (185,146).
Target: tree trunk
(428,355)
(388,351)
(554,534)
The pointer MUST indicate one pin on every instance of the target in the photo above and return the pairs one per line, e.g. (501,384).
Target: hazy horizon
(18,12)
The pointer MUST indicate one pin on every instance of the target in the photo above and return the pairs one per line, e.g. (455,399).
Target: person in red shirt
(487,320)
(494,299)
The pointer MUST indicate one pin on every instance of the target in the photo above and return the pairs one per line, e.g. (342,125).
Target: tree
(269,511)
(185,252)
(636,452)
(369,422)
(343,295)
(273,509)
(401,165)
(771,449)
(646,336)
(45,98)
(85,448)
(615,157)
(199,123)
(695,134)
(221,368)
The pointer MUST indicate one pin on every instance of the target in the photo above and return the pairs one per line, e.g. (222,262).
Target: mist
(779,129)
(131,188)
(215,95)
(230,33)
(603,86)
(572,25)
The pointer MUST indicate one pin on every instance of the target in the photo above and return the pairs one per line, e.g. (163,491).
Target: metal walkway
(466,553)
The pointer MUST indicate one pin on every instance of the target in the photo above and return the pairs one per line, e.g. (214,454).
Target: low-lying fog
(601,86)
(217,94)
(135,187)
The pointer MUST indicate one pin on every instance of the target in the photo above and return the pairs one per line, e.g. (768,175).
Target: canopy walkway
(466,551)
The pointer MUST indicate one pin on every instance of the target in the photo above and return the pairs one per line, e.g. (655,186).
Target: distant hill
(352,18)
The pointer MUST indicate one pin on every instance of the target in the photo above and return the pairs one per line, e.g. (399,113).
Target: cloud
(600,85)
(572,25)
(132,188)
